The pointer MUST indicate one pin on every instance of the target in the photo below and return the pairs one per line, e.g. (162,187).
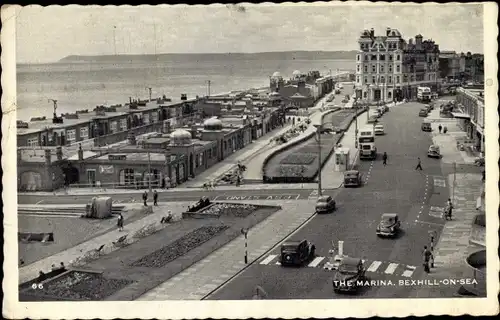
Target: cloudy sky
(46,34)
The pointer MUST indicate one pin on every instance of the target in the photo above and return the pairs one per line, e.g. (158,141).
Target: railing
(144,184)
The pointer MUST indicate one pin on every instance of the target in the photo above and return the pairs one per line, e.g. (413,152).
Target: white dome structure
(297,73)
(276,75)
(248,96)
(212,124)
(274,94)
(181,136)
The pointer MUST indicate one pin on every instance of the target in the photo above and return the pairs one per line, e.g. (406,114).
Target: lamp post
(356,122)
(318,139)
(368,96)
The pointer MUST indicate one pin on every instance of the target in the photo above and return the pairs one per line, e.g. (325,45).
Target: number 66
(37,286)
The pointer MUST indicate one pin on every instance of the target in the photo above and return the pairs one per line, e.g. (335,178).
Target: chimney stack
(387,31)
(372,32)
(59,153)
(48,157)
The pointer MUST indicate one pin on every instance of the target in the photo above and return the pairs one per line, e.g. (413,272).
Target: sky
(47,34)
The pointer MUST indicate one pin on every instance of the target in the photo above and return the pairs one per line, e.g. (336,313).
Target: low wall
(292,143)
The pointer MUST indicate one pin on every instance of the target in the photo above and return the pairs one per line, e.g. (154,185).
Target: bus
(366,143)
(424,94)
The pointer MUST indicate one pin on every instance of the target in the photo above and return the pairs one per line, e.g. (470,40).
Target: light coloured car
(379,129)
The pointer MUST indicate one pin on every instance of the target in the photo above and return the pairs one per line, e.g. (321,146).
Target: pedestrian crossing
(436,212)
(373,266)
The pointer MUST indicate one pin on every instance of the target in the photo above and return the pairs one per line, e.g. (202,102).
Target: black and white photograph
(327,159)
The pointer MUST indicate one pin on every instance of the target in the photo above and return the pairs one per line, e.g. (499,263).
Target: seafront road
(397,188)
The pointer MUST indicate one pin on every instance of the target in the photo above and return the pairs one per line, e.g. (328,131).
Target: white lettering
(446,281)
(269,198)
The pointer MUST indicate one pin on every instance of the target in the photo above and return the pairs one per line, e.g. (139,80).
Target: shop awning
(460,115)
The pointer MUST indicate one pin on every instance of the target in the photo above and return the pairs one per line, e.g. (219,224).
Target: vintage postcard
(297,160)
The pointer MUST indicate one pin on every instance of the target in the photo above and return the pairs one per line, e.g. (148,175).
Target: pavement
(68,256)
(397,188)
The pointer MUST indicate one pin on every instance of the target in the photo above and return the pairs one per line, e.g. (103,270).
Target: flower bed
(80,285)
(179,247)
(299,158)
(232,209)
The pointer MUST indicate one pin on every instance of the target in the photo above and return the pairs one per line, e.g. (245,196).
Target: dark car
(426,126)
(295,253)
(349,276)
(423,113)
(352,178)
(389,225)
(325,204)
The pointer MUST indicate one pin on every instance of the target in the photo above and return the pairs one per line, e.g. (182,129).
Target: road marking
(278,263)
(391,268)
(40,201)
(436,212)
(260,197)
(315,262)
(409,271)
(439,182)
(374,266)
(268,259)
(432,223)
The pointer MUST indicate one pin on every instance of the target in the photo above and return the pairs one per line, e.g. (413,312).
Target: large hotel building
(390,68)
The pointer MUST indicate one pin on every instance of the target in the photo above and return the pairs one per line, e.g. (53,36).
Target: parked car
(423,112)
(389,225)
(353,178)
(426,126)
(434,152)
(379,129)
(372,119)
(325,204)
(351,271)
(295,253)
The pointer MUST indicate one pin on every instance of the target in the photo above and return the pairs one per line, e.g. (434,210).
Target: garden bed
(179,247)
(299,159)
(75,286)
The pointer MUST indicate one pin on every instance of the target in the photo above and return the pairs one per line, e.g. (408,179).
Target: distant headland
(285,55)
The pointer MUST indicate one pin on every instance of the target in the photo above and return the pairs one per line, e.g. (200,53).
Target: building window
(127,177)
(33,142)
(366,57)
(382,57)
(390,57)
(373,79)
(358,57)
(71,135)
(398,57)
(84,133)
(366,80)
(381,68)
(390,79)
(145,118)
(357,79)
(390,68)
(382,79)
(358,67)
(112,127)
(366,68)
(374,57)
(154,117)
(374,69)
(398,69)
(123,124)
(365,94)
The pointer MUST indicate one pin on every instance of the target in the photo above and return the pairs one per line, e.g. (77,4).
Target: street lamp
(318,139)
(245,233)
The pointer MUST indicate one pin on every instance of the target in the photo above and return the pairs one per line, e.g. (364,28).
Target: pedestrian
(145,197)
(449,209)
(238,181)
(440,128)
(427,257)
(445,130)
(119,222)
(155,198)
(384,158)
(419,164)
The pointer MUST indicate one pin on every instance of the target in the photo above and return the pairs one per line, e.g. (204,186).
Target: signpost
(245,232)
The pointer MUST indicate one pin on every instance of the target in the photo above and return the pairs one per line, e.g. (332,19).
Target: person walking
(440,128)
(155,198)
(445,129)
(419,164)
(427,257)
(449,209)
(119,222)
(384,158)
(145,197)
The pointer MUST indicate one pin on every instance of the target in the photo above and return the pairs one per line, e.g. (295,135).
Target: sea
(85,85)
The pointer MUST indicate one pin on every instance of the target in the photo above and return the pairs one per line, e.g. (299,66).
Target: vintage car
(389,225)
(423,112)
(352,178)
(295,253)
(426,126)
(325,204)
(337,91)
(434,152)
(372,119)
(379,129)
(350,274)
(381,110)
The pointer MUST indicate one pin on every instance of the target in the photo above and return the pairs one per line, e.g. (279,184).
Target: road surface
(397,188)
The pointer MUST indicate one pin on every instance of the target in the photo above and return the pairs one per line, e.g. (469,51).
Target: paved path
(30,271)
(209,273)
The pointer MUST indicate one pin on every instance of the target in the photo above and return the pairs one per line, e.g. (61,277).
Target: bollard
(432,251)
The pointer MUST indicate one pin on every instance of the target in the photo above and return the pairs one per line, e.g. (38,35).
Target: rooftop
(142,156)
